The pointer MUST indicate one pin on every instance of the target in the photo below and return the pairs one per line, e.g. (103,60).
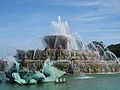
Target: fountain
(68,52)
(93,57)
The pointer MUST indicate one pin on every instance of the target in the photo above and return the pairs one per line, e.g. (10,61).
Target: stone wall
(32,64)
(57,54)
(96,66)
(76,66)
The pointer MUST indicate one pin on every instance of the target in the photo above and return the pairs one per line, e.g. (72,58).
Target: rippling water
(74,82)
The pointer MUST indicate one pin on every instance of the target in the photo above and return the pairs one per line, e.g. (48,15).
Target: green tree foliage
(99,43)
(115,49)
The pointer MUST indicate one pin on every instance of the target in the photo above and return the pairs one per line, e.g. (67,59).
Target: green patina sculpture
(48,74)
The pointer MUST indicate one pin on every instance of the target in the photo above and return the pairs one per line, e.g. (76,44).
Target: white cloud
(89,19)
(109,6)
(105,5)
(75,3)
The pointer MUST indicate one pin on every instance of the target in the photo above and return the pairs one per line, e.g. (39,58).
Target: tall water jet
(60,27)
(63,37)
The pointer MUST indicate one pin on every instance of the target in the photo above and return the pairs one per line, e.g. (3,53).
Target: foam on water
(84,77)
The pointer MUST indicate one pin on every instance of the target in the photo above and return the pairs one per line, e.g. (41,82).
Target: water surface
(74,82)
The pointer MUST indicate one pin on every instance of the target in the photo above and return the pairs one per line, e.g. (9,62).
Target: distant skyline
(23,23)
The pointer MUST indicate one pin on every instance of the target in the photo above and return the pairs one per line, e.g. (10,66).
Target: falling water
(80,43)
(10,62)
(92,46)
(61,28)
(100,49)
(106,53)
(112,56)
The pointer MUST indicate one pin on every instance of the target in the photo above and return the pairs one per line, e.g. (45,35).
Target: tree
(115,49)
(99,43)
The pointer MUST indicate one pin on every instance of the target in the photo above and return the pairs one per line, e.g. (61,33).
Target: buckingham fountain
(64,53)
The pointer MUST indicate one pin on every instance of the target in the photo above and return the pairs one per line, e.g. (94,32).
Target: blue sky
(23,23)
